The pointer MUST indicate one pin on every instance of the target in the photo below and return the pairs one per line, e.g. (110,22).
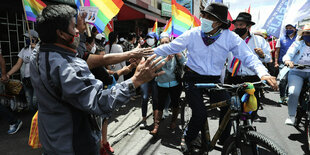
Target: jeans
(283,84)
(30,95)
(295,83)
(7,114)
(194,97)
(145,95)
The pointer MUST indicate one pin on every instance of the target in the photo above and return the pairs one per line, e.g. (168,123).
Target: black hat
(243,16)
(218,10)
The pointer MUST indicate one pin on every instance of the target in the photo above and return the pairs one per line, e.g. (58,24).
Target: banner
(274,22)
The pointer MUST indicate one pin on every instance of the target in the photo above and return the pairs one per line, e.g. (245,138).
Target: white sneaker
(290,120)
(142,124)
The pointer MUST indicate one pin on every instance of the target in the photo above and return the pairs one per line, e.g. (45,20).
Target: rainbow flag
(33,8)
(196,21)
(108,29)
(154,29)
(182,19)
(107,10)
(235,65)
(168,27)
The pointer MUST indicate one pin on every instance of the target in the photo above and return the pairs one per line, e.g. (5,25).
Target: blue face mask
(27,41)
(306,38)
(206,25)
(289,32)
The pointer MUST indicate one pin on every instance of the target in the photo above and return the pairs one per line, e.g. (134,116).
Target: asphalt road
(139,141)
(167,142)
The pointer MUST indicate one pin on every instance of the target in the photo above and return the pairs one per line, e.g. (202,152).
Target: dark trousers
(7,114)
(242,79)
(194,97)
(164,93)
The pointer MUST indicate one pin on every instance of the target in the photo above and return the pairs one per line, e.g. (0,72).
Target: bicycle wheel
(255,144)
(186,113)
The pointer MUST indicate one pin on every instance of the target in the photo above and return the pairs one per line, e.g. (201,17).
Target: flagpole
(27,22)
(87,27)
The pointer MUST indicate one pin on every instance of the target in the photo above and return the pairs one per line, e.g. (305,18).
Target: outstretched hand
(146,70)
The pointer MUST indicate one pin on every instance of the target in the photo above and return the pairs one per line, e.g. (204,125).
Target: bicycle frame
(231,114)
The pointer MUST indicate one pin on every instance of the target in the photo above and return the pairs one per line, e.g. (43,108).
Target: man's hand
(259,52)
(4,78)
(289,63)
(146,70)
(276,65)
(271,80)
(141,52)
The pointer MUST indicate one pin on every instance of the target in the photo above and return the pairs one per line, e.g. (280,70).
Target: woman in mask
(24,59)
(298,53)
(150,41)
(208,46)
(113,47)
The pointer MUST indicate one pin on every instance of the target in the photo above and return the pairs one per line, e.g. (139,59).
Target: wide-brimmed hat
(306,28)
(218,10)
(245,17)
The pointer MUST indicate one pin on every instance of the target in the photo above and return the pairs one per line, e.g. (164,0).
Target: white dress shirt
(209,60)
(260,43)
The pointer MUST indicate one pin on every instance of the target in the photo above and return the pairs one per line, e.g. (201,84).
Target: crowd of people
(77,79)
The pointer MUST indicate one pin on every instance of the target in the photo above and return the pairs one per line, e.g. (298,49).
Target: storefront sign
(166,9)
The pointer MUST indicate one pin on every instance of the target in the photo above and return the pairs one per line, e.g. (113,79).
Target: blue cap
(152,35)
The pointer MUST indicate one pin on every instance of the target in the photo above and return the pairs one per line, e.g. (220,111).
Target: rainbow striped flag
(168,27)
(154,29)
(108,29)
(182,19)
(196,21)
(107,10)
(33,8)
(235,65)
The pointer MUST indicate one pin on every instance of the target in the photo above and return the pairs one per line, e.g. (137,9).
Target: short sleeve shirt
(25,54)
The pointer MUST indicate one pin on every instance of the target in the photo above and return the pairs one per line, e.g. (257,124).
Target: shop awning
(131,12)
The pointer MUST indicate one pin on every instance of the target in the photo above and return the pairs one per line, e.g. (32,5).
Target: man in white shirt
(208,46)
(238,73)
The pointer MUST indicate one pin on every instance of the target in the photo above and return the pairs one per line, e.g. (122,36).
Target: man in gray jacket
(67,91)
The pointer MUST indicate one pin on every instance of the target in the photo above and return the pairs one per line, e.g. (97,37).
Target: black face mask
(241,31)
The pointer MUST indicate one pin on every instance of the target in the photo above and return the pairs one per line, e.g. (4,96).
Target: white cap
(33,33)
(122,39)
(163,35)
(99,36)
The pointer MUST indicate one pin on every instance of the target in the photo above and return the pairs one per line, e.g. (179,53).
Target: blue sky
(262,7)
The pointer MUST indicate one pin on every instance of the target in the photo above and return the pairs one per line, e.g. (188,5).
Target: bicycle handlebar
(220,86)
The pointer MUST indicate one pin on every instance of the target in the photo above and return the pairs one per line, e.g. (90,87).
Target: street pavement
(127,138)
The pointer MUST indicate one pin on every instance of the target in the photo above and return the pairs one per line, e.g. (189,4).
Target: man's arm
(114,58)
(276,57)
(3,69)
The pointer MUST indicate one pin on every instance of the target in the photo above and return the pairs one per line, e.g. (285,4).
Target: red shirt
(272,45)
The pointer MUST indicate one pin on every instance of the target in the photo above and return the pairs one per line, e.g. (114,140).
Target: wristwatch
(131,87)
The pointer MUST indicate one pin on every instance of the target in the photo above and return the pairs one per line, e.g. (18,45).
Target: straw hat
(306,28)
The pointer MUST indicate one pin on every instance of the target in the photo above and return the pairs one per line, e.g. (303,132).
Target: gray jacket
(67,92)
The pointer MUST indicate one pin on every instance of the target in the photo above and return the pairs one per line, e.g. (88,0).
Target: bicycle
(244,140)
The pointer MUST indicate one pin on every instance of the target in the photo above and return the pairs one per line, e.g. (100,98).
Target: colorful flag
(33,8)
(249,9)
(108,29)
(196,21)
(232,27)
(168,27)
(182,19)
(107,10)
(154,29)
